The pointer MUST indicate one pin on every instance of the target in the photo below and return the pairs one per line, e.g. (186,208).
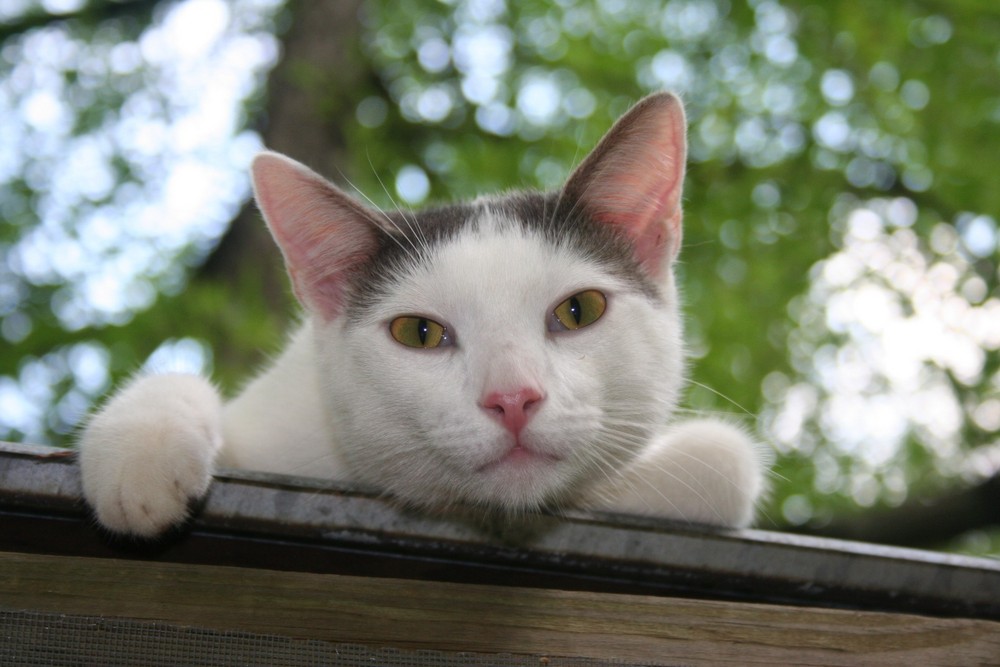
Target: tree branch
(923,523)
(91,12)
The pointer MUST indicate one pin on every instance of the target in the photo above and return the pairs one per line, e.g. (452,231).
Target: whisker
(665,471)
(408,250)
(411,222)
(725,478)
(550,222)
(723,397)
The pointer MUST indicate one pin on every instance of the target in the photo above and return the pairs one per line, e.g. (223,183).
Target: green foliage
(800,114)
(841,195)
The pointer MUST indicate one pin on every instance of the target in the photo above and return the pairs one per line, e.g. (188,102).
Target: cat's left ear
(634,179)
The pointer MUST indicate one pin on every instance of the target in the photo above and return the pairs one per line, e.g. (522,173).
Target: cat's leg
(702,471)
(149,451)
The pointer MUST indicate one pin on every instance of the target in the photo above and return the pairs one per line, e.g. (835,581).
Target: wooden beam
(311,525)
(420,615)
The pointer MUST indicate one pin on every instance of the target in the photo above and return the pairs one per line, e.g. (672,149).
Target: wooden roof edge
(306,524)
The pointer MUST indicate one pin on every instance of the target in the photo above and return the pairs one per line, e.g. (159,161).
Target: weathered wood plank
(310,525)
(458,617)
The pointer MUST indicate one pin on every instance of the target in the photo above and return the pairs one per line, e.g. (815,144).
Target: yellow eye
(581,309)
(416,331)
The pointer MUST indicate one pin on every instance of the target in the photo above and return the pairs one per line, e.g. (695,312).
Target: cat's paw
(702,471)
(150,451)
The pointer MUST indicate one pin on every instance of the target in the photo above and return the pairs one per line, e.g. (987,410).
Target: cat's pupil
(422,329)
(575,309)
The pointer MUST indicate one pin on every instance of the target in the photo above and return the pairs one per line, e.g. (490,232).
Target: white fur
(277,423)
(150,451)
(421,406)
(703,471)
(348,402)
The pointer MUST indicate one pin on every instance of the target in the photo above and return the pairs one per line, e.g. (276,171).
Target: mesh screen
(57,640)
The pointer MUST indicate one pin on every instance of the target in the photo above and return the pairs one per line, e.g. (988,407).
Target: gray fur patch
(409,238)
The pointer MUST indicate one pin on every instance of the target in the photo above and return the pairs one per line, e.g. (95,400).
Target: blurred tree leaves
(837,150)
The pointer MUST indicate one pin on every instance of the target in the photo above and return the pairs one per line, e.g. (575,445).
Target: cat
(513,353)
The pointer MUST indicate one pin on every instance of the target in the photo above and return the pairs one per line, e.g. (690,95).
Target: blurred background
(840,267)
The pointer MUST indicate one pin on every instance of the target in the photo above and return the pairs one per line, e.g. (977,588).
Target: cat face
(504,352)
(510,407)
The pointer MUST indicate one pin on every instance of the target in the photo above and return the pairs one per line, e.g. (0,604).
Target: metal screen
(58,640)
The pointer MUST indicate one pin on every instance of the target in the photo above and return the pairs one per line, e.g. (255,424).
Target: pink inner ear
(634,180)
(323,234)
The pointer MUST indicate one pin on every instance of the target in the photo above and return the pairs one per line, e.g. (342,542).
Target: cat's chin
(521,479)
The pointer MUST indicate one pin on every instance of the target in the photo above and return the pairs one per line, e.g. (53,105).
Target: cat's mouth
(517,457)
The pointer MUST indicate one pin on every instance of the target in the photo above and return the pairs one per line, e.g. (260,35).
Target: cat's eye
(416,331)
(581,309)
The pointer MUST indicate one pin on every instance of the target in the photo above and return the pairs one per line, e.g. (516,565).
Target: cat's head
(507,351)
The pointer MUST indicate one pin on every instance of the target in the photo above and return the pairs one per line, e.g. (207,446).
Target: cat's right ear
(323,234)
(633,180)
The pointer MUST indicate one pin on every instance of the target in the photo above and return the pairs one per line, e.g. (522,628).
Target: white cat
(515,352)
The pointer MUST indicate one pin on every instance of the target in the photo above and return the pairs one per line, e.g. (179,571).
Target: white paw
(150,451)
(701,471)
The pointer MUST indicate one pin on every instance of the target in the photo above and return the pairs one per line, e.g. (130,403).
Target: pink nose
(513,409)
